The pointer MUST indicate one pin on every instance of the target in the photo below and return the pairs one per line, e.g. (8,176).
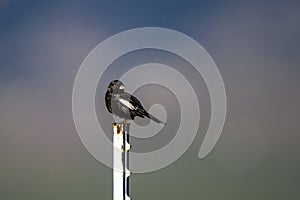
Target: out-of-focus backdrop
(256,46)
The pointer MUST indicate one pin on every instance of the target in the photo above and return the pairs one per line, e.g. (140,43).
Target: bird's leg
(125,121)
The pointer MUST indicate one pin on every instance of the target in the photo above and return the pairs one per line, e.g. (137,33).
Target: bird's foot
(125,121)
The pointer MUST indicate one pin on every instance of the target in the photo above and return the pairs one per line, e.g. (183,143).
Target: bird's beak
(122,87)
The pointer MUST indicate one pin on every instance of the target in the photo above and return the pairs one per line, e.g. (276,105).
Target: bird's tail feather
(155,119)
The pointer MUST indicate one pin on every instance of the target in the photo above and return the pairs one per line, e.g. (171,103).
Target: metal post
(121,171)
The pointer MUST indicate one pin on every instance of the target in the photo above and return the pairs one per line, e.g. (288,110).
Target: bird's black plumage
(125,105)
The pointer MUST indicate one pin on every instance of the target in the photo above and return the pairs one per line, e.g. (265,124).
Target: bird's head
(116,86)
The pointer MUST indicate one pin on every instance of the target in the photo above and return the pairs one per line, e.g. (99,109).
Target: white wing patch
(127,104)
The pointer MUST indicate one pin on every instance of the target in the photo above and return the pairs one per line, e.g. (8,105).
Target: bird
(125,105)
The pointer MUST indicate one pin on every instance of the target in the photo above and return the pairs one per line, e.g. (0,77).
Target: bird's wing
(140,111)
(129,101)
(134,101)
(133,104)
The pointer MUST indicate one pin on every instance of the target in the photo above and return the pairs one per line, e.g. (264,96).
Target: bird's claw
(125,121)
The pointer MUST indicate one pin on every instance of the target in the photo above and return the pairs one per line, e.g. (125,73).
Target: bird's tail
(155,119)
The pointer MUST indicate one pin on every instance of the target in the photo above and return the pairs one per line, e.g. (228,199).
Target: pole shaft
(121,171)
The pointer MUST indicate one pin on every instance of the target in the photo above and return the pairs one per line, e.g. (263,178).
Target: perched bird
(125,105)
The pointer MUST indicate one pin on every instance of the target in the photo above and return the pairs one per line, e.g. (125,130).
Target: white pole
(121,172)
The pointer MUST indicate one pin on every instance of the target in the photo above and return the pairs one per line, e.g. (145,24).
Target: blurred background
(255,45)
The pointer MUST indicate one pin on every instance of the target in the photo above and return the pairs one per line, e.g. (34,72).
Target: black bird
(125,105)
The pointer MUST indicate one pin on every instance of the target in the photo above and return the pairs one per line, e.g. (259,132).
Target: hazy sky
(255,45)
